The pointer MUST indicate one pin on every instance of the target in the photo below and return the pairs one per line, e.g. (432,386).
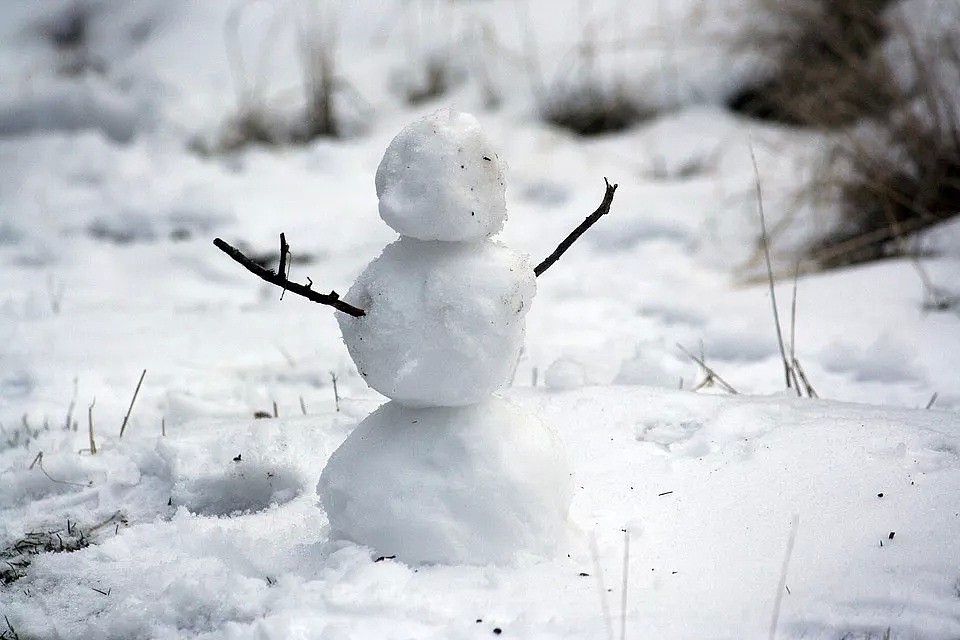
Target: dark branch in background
(601,211)
(279,279)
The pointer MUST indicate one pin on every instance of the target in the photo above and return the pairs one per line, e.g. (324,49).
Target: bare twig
(123,426)
(932,400)
(783,576)
(331,299)
(303,407)
(163,426)
(93,444)
(766,254)
(602,210)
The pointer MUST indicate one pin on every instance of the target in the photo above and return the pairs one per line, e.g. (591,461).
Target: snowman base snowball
(452,485)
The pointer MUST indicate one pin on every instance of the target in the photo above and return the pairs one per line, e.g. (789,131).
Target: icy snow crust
(453,485)
(440,179)
(444,321)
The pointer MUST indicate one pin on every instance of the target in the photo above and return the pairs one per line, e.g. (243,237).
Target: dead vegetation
(588,109)
(899,175)
(16,556)
(892,121)
(329,106)
(68,33)
(823,56)
(589,96)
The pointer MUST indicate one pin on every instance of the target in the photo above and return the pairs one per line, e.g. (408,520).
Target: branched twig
(331,299)
(602,210)
(132,400)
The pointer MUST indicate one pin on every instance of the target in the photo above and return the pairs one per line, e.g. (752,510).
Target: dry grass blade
(712,376)
(13,632)
(132,400)
(38,462)
(626,581)
(797,369)
(782,584)
(336,392)
(601,589)
(764,238)
(93,444)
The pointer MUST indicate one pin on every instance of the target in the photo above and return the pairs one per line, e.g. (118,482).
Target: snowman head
(440,179)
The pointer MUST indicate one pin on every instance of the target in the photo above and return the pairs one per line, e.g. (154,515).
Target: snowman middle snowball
(444,304)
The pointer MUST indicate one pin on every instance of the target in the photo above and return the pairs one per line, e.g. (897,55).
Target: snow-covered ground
(107,213)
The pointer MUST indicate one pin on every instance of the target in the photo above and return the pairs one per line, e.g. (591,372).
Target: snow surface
(106,269)
(440,179)
(444,321)
(706,486)
(455,485)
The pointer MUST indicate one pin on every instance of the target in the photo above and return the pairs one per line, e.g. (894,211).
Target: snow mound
(473,485)
(444,321)
(441,180)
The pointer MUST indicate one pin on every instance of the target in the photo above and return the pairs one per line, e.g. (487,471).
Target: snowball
(441,180)
(470,485)
(444,321)
(565,373)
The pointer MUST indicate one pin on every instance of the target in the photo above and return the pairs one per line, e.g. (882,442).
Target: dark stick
(282,269)
(601,211)
(331,299)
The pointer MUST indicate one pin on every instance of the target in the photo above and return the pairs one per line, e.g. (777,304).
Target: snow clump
(469,485)
(441,180)
(565,374)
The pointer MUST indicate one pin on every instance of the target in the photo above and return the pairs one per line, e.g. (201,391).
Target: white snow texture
(444,321)
(469,485)
(441,180)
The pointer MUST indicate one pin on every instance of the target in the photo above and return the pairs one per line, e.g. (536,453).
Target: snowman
(445,472)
